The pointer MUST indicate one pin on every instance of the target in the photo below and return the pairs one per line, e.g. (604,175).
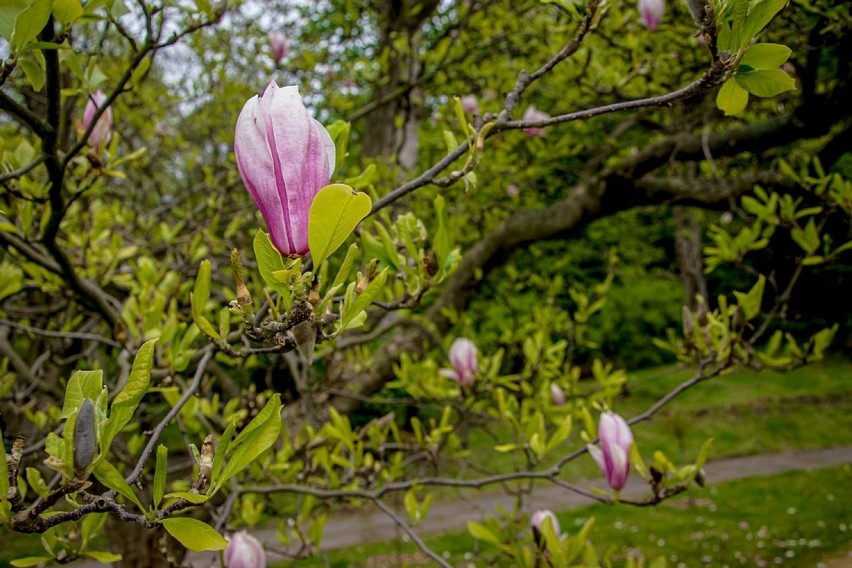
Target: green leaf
(703,453)
(760,13)
(9,11)
(194,534)
(345,267)
(260,434)
(127,400)
(750,302)
(732,99)
(765,82)
(81,385)
(31,21)
(364,299)
(102,556)
(33,71)
(198,300)
(224,446)
(67,11)
(269,261)
(195,498)
(335,212)
(480,532)
(441,240)
(766,56)
(160,474)
(106,473)
(31,561)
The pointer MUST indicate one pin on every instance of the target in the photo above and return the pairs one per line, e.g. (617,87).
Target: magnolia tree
(178,366)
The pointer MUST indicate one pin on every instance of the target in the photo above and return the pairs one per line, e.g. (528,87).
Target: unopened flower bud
(651,13)
(205,461)
(557,395)
(244,551)
(469,104)
(278,46)
(102,132)
(613,455)
(537,521)
(463,356)
(430,263)
(532,114)
(85,436)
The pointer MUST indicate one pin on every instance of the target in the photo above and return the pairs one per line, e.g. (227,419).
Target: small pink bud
(278,46)
(244,551)
(463,356)
(469,104)
(537,521)
(557,395)
(613,455)
(651,12)
(532,114)
(512,190)
(284,157)
(102,132)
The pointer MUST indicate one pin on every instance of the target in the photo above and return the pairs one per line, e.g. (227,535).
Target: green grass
(791,519)
(745,412)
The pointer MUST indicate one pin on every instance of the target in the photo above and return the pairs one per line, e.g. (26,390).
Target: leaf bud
(738,322)
(205,460)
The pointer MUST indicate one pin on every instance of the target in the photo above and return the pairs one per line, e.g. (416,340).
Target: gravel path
(369,525)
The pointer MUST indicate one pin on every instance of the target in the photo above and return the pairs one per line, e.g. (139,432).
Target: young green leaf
(765,82)
(766,56)
(106,473)
(31,21)
(81,385)
(259,436)
(335,212)
(731,99)
(160,474)
(194,534)
(125,402)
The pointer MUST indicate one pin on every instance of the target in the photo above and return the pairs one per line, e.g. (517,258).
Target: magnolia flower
(651,12)
(244,551)
(284,157)
(512,190)
(613,456)
(469,104)
(102,132)
(538,519)
(533,114)
(463,358)
(557,395)
(278,46)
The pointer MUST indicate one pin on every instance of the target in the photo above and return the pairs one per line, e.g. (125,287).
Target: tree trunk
(688,252)
(391,130)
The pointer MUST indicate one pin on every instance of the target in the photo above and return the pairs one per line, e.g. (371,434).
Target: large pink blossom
(613,455)
(284,157)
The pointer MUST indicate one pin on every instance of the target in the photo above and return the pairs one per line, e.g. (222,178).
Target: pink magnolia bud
(537,521)
(102,132)
(512,190)
(651,12)
(465,366)
(613,456)
(244,551)
(284,157)
(469,104)
(533,114)
(278,46)
(557,395)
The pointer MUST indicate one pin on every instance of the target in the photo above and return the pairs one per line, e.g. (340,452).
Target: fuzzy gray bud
(85,436)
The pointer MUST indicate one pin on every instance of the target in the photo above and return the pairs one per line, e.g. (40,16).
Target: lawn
(792,519)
